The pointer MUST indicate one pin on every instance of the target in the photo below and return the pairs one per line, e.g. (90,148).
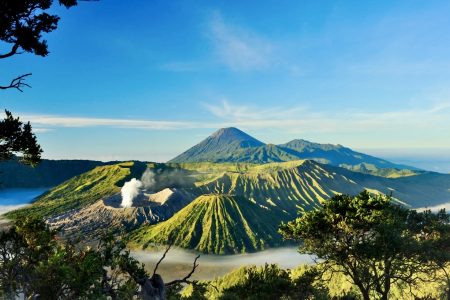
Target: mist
(178,261)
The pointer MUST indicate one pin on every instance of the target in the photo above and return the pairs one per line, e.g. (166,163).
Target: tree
(433,231)
(367,237)
(17,138)
(22,24)
(34,262)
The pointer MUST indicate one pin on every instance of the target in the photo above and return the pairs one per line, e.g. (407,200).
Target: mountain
(107,214)
(227,196)
(246,203)
(336,155)
(219,147)
(233,145)
(82,190)
(219,224)
(48,173)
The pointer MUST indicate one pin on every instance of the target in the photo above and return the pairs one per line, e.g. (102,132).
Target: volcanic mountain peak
(219,146)
(232,134)
(216,224)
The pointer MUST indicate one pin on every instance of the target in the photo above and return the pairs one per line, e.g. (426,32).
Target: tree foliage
(372,240)
(36,263)
(22,24)
(16,138)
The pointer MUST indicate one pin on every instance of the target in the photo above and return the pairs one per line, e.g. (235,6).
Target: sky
(146,79)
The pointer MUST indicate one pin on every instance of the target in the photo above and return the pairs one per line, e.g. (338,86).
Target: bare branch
(186,278)
(162,258)
(10,53)
(17,83)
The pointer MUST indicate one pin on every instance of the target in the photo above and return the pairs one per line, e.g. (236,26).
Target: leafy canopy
(367,237)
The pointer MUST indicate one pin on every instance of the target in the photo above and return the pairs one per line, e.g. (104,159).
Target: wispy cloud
(238,48)
(302,119)
(46,122)
(414,126)
(226,110)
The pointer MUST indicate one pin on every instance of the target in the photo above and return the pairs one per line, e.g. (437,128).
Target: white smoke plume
(148,179)
(154,180)
(130,190)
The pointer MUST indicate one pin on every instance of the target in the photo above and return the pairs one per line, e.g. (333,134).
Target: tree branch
(10,53)
(161,259)
(185,279)
(17,83)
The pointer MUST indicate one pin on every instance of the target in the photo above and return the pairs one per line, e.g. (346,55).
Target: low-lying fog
(178,262)
(11,199)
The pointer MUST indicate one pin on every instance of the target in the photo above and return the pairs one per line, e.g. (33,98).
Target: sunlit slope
(243,204)
(421,190)
(287,186)
(82,190)
(213,223)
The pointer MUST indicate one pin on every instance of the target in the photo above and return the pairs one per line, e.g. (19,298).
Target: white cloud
(410,127)
(238,48)
(243,113)
(301,119)
(66,121)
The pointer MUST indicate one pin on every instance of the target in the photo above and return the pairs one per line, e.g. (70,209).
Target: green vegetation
(373,241)
(368,247)
(82,190)
(266,283)
(303,282)
(33,263)
(275,191)
(219,224)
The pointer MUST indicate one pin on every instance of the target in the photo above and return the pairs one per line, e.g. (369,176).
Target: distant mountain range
(200,202)
(225,145)
(227,194)
(233,145)
(48,173)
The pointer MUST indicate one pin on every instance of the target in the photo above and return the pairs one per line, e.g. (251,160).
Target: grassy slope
(82,190)
(278,191)
(219,224)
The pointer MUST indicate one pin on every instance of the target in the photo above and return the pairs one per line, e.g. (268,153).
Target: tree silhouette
(16,138)
(22,24)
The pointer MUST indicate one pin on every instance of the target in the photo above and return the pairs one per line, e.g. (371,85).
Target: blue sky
(148,79)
